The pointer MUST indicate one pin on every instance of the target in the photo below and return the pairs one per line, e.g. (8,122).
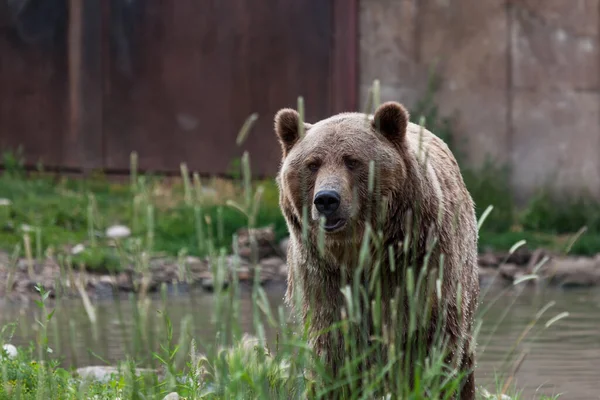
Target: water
(561,359)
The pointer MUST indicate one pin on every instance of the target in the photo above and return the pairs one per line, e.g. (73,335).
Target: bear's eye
(351,163)
(313,166)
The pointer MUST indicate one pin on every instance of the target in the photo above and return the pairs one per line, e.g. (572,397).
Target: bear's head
(326,166)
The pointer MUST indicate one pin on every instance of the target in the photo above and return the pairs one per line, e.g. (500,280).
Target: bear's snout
(327,202)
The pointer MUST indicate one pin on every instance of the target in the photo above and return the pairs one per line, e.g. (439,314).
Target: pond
(562,358)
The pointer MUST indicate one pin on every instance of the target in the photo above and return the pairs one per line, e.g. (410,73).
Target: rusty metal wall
(173,81)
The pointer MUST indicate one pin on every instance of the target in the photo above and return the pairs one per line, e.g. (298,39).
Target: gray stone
(209,284)
(388,50)
(555,44)
(271,263)
(124,282)
(488,260)
(466,42)
(264,245)
(283,271)
(103,374)
(283,246)
(106,280)
(485,394)
(556,141)
(572,272)
(509,271)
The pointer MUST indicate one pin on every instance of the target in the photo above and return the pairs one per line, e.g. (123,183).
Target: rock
(488,259)
(270,269)
(508,271)
(25,285)
(283,246)
(209,284)
(520,257)
(572,272)
(104,373)
(263,238)
(554,46)
(489,396)
(23,264)
(536,260)
(118,232)
(77,249)
(9,350)
(97,373)
(244,274)
(104,287)
(488,276)
(467,47)
(106,280)
(165,272)
(283,271)
(541,154)
(172,396)
(195,263)
(271,263)
(124,282)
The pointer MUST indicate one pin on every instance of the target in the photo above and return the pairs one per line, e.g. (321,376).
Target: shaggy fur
(417,179)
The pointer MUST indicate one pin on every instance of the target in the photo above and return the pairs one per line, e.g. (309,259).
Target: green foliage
(98,259)
(565,214)
(61,211)
(490,185)
(235,167)
(26,378)
(427,108)
(14,162)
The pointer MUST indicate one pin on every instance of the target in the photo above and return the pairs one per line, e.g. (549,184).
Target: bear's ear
(391,120)
(287,123)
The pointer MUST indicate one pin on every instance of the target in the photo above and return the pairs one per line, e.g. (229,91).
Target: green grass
(68,212)
(60,209)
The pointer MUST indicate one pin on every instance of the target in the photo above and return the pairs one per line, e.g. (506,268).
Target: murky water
(563,358)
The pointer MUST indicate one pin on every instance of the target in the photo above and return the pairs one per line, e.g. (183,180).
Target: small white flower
(26,228)
(77,249)
(10,350)
(118,231)
(5,202)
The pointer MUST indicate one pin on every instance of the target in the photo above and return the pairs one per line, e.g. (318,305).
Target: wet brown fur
(414,167)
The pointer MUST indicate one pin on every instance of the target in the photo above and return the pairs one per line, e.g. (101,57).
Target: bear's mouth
(334,224)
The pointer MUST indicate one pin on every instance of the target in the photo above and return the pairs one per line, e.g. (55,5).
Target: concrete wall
(521,77)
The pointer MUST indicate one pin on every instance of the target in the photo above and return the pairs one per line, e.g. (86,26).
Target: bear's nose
(327,201)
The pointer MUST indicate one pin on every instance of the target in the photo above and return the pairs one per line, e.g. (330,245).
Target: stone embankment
(20,279)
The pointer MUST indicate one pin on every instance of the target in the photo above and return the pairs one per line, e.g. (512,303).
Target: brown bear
(378,185)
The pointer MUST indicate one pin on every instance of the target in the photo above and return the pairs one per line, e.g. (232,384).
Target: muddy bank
(20,277)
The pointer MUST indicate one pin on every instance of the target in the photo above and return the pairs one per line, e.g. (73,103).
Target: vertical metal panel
(175,81)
